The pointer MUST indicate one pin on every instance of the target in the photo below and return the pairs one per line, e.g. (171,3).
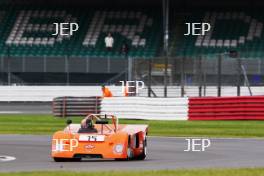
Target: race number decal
(92,138)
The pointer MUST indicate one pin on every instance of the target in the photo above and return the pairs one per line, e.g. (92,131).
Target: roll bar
(114,119)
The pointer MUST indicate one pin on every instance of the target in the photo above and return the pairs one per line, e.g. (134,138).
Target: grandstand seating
(241,31)
(26,31)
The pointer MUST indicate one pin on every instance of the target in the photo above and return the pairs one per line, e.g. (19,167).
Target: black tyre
(143,155)
(129,154)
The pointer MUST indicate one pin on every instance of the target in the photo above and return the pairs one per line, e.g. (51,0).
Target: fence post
(219,75)
(204,83)
(130,68)
(166,77)
(182,77)
(238,74)
(200,75)
(8,66)
(149,77)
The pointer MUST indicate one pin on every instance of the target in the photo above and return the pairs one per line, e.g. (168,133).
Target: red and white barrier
(205,108)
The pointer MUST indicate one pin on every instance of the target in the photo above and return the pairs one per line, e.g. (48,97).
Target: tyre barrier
(76,106)
(226,108)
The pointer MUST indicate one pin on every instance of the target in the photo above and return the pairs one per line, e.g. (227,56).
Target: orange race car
(95,137)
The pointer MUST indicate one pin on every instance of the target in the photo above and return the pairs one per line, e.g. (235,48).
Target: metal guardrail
(76,106)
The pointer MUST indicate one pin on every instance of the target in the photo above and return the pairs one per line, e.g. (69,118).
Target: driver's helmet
(89,123)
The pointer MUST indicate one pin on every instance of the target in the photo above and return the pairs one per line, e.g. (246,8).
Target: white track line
(5,158)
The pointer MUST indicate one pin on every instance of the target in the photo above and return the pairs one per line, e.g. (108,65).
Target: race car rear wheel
(143,155)
(129,153)
(56,159)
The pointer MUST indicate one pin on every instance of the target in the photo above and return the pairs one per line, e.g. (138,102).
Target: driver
(87,126)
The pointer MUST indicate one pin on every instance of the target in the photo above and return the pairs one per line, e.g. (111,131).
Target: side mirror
(69,121)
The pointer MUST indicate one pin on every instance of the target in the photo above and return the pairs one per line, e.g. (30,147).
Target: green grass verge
(200,172)
(46,124)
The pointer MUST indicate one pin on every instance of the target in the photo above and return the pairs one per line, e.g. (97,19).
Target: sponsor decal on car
(92,138)
(64,145)
(89,146)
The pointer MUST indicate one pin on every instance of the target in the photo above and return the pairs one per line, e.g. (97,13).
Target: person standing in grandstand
(109,42)
(124,49)
(106,92)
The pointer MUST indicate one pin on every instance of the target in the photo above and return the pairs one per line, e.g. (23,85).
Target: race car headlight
(118,148)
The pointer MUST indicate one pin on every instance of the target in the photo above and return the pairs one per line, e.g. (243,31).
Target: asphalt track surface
(32,154)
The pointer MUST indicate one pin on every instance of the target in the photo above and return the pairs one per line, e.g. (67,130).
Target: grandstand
(27,31)
(230,30)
